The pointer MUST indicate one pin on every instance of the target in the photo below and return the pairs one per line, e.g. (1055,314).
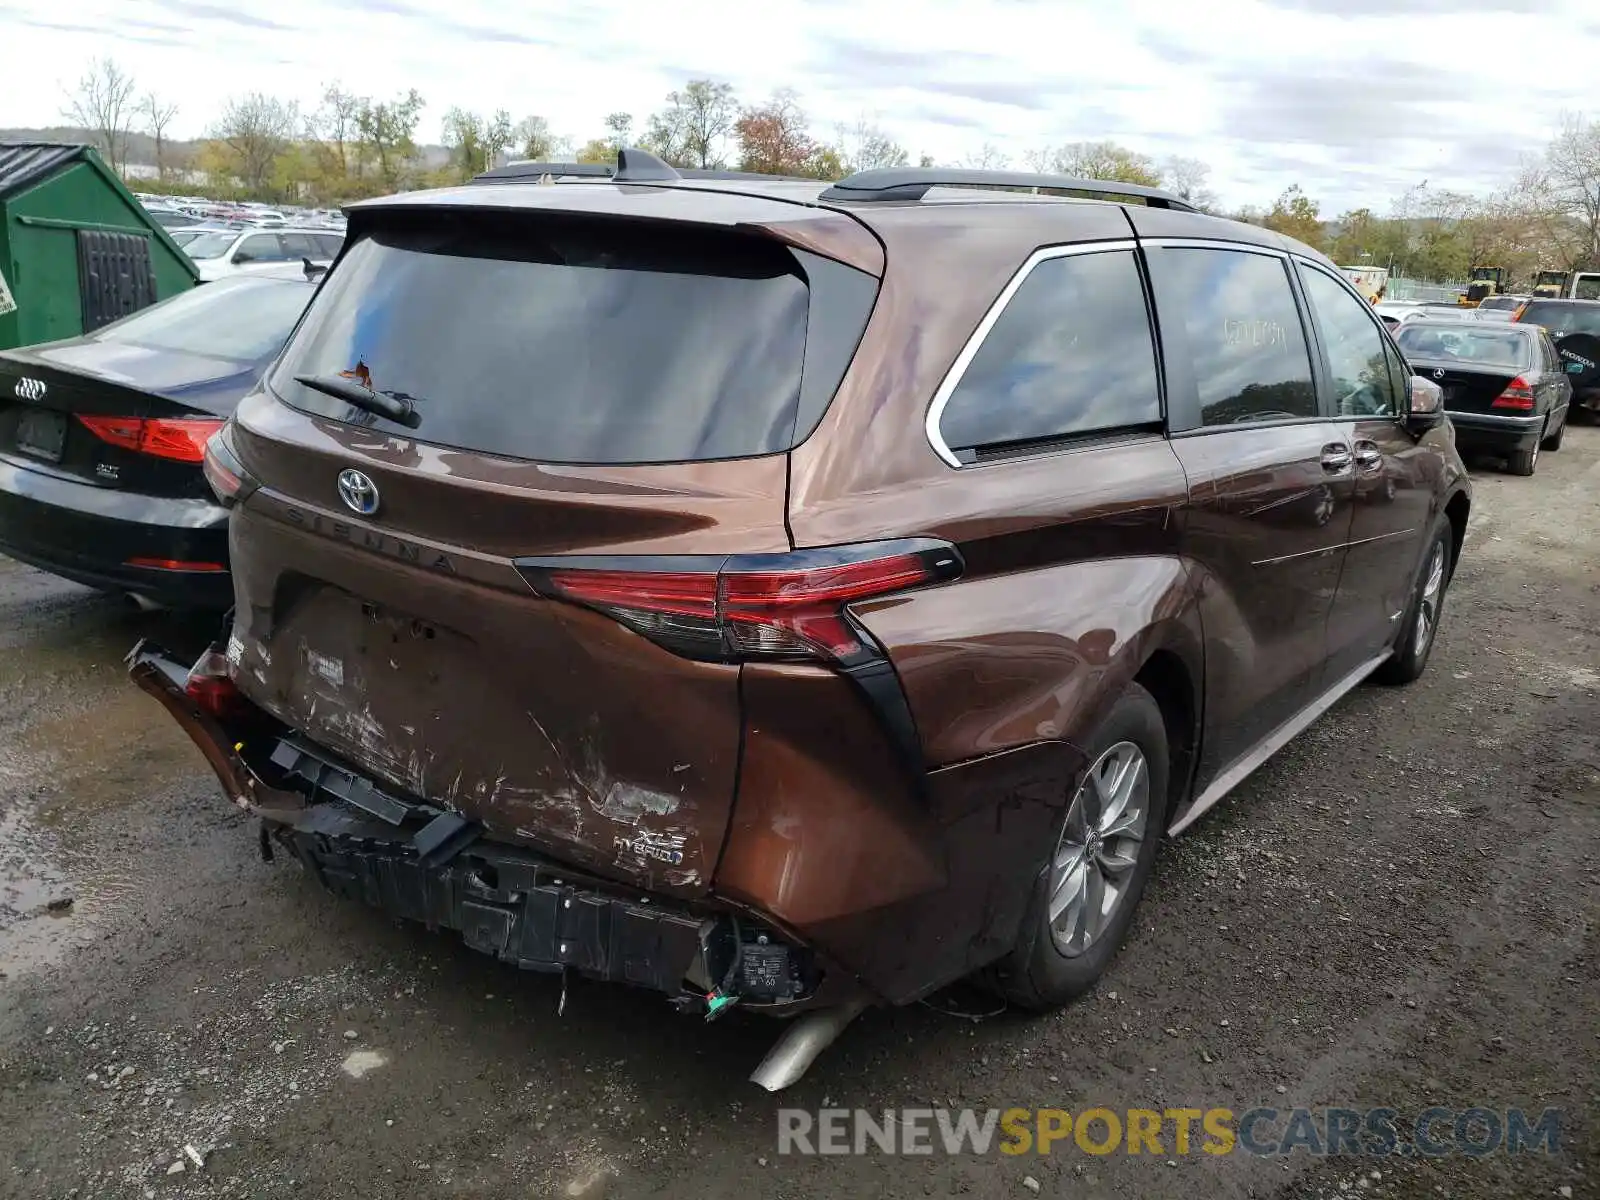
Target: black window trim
(1388,336)
(969,351)
(1185,421)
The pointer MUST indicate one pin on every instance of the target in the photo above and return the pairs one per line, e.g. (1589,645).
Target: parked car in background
(1500,307)
(250,251)
(189,233)
(648,601)
(1574,326)
(101,439)
(1394,313)
(1505,389)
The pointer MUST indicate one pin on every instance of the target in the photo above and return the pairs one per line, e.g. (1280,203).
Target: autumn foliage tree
(774,139)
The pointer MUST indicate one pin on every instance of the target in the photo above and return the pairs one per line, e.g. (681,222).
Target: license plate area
(41,434)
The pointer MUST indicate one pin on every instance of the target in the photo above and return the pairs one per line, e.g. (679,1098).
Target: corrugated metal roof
(25,163)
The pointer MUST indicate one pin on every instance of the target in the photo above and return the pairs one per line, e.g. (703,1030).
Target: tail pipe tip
(798,1046)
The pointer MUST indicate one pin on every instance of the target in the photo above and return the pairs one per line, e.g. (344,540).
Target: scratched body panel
(553,726)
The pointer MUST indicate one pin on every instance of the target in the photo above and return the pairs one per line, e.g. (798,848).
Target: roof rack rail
(538,170)
(890,184)
(632,166)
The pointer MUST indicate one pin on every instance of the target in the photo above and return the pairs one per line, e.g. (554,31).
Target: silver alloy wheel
(1099,848)
(1428,604)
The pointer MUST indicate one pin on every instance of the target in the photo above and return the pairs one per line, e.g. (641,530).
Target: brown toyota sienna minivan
(797,596)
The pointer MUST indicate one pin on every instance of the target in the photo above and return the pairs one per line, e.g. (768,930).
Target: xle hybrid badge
(359,493)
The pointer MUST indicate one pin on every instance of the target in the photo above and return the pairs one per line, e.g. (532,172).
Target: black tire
(1523,462)
(1410,657)
(1037,974)
(1553,442)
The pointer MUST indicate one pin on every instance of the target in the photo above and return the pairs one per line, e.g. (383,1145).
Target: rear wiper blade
(395,405)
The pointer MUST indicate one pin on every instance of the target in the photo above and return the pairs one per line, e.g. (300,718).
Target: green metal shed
(77,251)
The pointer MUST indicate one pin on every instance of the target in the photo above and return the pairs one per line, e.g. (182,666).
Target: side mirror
(1424,404)
(243,256)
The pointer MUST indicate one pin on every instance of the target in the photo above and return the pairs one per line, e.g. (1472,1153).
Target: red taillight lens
(1518,395)
(210,686)
(785,606)
(178,439)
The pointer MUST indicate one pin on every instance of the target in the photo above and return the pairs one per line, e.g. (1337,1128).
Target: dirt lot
(1401,910)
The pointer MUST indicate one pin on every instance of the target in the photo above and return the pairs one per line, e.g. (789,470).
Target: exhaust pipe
(806,1037)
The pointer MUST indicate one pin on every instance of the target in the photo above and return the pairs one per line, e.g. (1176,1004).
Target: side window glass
(1398,372)
(1071,354)
(298,245)
(1362,386)
(1243,331)
(262,247)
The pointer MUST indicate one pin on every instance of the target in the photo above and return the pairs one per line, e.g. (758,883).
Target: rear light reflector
(1518,395)
(756,606)
(210,686)
(223,471)
(174,564)
(179,439)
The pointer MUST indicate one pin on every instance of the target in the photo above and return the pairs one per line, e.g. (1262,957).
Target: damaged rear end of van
(508,525)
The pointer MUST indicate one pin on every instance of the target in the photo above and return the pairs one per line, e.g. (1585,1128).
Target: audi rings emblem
(30,389)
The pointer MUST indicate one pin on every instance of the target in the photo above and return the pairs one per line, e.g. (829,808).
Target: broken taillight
(748,606)
(1517,395)
(210,686)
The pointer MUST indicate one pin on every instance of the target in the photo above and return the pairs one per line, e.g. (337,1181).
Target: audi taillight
(1518,395)
(735,608)
(181,439)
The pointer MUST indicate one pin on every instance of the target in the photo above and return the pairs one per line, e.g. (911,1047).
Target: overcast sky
(1356,100)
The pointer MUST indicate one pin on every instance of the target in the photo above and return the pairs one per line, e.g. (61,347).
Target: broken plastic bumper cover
(422,863)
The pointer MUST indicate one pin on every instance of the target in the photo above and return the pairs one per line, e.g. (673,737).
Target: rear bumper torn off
(506,900)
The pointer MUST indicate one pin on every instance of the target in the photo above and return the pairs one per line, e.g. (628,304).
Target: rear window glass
(240,319)
(1466,344)
(1561,318)
(564,340)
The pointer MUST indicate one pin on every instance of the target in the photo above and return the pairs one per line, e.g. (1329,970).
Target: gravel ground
(1400,910)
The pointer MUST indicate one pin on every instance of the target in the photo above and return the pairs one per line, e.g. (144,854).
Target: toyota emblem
(30,389)
(359,493)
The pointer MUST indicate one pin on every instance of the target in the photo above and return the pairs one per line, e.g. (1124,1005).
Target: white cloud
(1354,99)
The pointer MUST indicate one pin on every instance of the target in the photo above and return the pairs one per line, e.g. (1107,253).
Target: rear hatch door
(589,388)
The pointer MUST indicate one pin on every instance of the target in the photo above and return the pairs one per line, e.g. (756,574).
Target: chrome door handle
(1369,457)
(1336,458)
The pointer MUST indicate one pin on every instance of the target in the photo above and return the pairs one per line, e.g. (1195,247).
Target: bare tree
(338,120)
(158,115)
(1188,177)
(693,129)
(1096,160)
(104,105)
(256,129)
(868,147)
(987,157)
(1572,182)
